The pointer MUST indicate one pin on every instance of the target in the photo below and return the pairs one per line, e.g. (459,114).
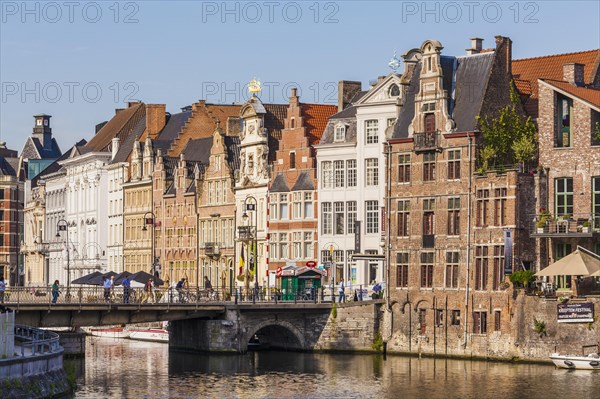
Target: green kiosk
(301,281)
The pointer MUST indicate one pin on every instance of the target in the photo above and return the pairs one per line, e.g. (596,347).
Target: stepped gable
(527,71)
(315,119)
(120,125)
(202,123)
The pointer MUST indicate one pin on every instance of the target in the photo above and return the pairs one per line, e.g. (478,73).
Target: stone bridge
(227,326)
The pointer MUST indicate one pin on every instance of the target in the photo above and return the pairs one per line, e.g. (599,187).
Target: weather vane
(254,86)
(394,63)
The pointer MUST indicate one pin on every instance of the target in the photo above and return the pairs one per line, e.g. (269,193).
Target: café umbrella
(577,263)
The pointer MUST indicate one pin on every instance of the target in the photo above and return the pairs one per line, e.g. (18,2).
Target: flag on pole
(242,261)
(252,260)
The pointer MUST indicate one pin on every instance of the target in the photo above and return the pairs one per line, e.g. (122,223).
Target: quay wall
(516,339)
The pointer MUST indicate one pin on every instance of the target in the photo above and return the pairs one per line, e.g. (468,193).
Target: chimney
(155,119)
(504,48)
(346,90)
(115,147)
(476,46)
(573,73)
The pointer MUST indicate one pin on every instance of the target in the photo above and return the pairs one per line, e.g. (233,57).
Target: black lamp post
(251,207)
(150,221)
(63,225)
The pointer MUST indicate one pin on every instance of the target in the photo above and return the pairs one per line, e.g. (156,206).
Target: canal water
(116,368)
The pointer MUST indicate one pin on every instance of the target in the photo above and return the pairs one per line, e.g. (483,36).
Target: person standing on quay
(126,289)
(2,288)
(341,292)
(55,291)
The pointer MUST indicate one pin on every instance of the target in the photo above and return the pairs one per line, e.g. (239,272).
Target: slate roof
(279,184)
(198,150)
(126,147)
(587,94)
(56,166)
(303,183)
(465,78)
(33,149)
(350,122)
(233,151)
(7,168)
(527,71)
(119,126)
(169,133)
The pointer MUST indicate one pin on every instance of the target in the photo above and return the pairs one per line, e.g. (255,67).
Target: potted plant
(542,220)
(585,227)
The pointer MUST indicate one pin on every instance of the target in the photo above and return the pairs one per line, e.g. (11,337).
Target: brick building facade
(455,233)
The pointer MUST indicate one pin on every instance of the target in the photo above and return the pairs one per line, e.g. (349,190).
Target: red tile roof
(527,71)
(315,119)
(587,94)
(119,126)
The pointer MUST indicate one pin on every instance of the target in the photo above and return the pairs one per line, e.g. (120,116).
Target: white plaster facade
(376,112)
(86,185)
(55,211)
(116,174)
(252,181)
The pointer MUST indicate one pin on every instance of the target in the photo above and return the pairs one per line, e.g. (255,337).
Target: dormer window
(340,133)
(394,90)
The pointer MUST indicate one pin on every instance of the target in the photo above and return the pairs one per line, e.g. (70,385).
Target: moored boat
(110,332)
(149,334)
(589,362)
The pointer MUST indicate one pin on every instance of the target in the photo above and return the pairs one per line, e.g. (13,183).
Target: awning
(578,263)
(86,279)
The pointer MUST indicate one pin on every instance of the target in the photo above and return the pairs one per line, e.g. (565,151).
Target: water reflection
(130,369)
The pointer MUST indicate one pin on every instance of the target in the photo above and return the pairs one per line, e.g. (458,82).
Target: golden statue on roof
(254,86)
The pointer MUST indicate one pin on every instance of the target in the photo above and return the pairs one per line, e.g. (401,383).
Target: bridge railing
(188,295)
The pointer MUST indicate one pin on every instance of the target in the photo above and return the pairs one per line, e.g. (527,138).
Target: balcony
(427,141)
(246,233)
(212,249)
(565,226)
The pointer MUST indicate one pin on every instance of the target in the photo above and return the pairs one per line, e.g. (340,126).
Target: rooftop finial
(254,86)
(394,63)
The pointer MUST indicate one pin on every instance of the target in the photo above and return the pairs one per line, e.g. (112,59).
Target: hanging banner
(357,236)
(508,250)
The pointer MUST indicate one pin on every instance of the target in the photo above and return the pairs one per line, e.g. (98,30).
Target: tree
(508,138)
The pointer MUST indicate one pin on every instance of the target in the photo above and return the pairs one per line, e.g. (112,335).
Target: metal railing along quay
(34,341)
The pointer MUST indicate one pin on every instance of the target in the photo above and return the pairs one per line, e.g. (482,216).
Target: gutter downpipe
(468,258)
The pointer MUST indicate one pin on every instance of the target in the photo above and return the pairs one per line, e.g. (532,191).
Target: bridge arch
(279,334)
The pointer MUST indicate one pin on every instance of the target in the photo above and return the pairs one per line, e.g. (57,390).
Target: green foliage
(543,217)
(596,132)
(539,327)
(522,278)
(377,342)
(71,374)
(334,311)
(508,138)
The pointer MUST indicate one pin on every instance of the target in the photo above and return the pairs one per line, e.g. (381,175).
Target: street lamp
(63,225)
(250,207)
(150,221)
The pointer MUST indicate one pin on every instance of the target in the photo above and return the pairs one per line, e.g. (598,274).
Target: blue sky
(79,61)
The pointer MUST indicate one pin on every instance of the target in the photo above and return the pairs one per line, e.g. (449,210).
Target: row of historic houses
(412,174)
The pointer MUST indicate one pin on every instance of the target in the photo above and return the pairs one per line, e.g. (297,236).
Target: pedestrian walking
(341,292)
(55,291)
(2,289)
(179,288)
(126,289)
(107,285)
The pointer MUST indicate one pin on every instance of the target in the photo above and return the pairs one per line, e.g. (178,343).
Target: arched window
(394,90)
(429,123)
